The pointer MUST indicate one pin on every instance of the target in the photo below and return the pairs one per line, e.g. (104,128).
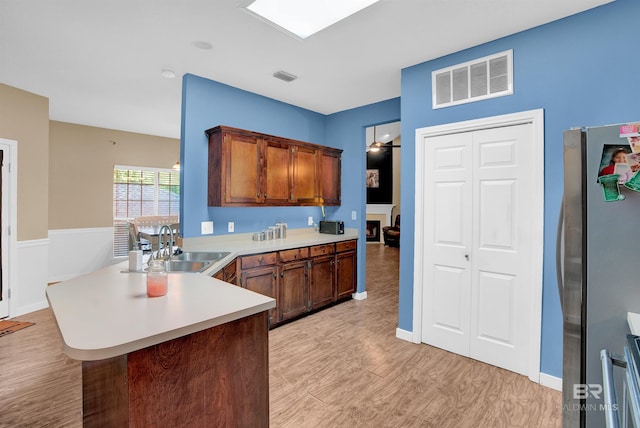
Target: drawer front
(257,260)
(295,254)
(346,246)
(322,250)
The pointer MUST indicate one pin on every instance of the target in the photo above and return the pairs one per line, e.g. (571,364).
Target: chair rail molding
(381,209)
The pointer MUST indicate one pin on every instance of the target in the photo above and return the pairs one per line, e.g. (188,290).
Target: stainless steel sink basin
(200,256)
(187,265)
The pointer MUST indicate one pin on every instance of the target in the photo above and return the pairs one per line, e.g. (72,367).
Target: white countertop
(634,323)
(107,313)
(241,244)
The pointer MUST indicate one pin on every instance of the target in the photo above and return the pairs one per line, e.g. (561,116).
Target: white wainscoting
(75,252)
(28,293)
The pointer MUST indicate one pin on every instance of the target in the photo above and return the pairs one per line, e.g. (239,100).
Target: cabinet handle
(275,275)
(281,274)
(265,195)
(260,259)
(258,195)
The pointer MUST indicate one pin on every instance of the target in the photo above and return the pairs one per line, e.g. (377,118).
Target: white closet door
(478,244)
(447,274)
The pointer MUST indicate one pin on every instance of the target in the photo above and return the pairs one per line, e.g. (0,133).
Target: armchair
(392,233)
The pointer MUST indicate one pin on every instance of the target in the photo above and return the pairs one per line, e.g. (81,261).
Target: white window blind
(141,192)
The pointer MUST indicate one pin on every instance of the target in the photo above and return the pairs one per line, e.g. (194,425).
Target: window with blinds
(141,192)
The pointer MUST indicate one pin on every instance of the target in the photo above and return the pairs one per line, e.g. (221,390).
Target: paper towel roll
(135,260)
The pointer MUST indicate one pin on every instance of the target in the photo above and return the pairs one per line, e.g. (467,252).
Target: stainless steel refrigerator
(598,263)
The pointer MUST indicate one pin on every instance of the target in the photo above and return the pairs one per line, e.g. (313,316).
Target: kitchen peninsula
(195,357)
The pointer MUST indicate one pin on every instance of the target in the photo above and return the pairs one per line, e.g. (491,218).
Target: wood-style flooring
(341,367)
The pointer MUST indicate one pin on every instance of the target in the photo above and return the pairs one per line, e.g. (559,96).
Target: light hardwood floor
(341,367)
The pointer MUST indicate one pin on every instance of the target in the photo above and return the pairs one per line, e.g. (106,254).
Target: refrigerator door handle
(608,360)
(560,254)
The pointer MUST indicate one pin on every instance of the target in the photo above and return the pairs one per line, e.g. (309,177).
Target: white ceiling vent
(283,75)
(488,77)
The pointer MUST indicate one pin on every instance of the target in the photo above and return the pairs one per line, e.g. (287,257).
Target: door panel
(477,244)
(447,240)
(501,269)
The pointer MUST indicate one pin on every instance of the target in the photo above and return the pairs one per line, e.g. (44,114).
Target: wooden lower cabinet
(293,300)
(300,279)
(346,268)
(322,284)
(228,273)
(263,280)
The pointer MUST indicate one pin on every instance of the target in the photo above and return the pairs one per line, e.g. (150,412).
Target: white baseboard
(405,335)
(359,296)
(552,382)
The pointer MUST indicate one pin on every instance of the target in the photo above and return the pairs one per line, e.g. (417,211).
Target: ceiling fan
(376,145)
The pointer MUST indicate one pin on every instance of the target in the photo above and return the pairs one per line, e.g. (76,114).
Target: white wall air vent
(480,79)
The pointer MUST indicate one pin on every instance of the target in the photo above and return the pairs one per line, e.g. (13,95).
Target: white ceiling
(99,61)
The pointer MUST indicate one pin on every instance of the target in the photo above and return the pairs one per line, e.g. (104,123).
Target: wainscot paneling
(28,293)
(75,252)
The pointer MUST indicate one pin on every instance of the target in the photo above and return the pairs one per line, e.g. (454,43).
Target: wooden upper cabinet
(304,179)
(330,173)
(276,172)
(252,169)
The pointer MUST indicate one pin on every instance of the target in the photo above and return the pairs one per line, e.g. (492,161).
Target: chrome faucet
(165,251)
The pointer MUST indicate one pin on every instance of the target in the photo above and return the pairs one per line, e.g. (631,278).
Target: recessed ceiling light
(304,18)
(201,44)
(169,74)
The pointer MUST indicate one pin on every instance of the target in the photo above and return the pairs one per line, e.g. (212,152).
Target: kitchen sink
(200,256)
(187,265)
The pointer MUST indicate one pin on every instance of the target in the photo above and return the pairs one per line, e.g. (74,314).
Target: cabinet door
(263,280)
(330,174)
(293,299)
(277,172)
(322,285)
(305,185)
(243,170)
(345,274)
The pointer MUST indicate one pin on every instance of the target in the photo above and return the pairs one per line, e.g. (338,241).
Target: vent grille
(484,78)
(283,75)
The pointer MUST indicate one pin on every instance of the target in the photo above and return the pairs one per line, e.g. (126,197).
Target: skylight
(306,17)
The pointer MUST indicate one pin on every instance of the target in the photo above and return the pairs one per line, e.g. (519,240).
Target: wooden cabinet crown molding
(249,168)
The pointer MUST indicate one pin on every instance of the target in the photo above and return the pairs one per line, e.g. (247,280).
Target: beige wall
(81,161)
(24,117)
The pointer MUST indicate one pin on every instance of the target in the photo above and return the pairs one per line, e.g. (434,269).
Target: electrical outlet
(310,221)
(354,215)
(206,228)
(230,227)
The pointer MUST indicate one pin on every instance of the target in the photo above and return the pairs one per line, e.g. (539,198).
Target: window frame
(117,244)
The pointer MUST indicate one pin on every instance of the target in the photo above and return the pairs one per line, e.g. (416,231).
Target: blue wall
(206,103)
(582,71)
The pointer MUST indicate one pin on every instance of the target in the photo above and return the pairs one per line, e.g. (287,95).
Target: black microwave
(333,227)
